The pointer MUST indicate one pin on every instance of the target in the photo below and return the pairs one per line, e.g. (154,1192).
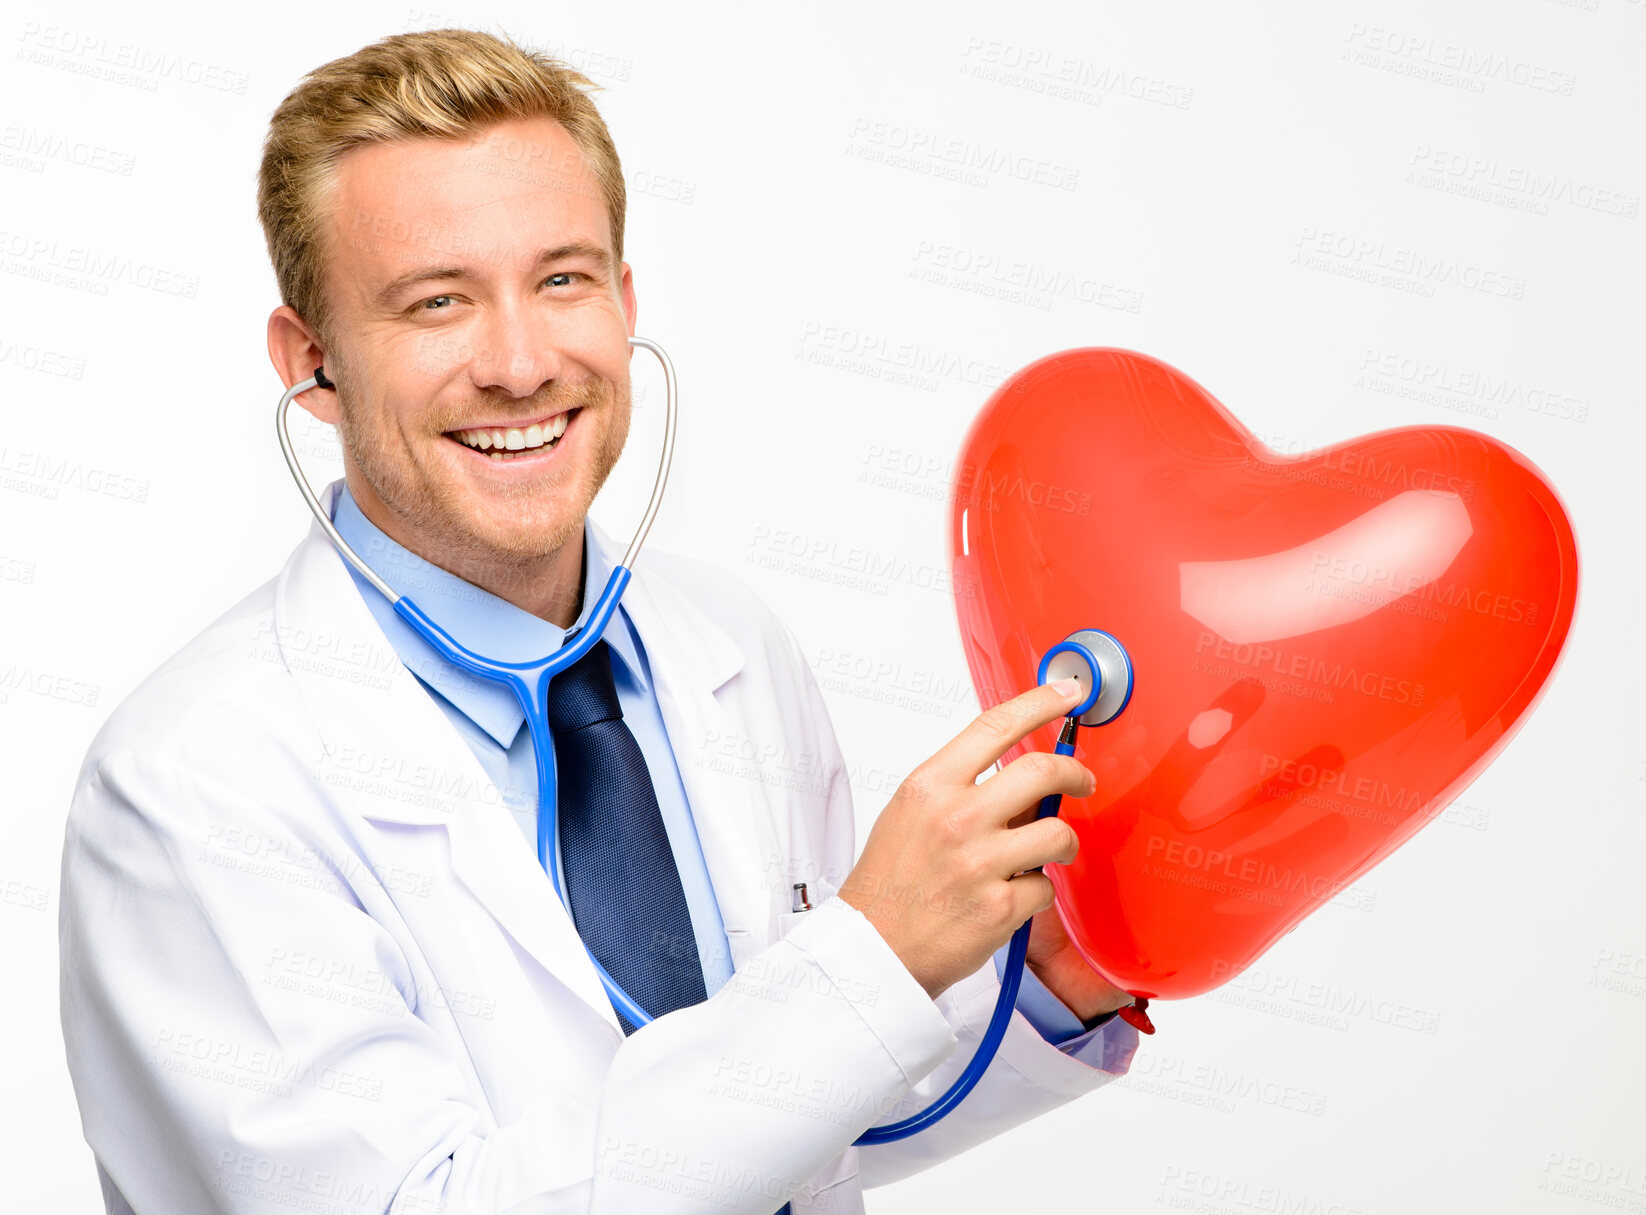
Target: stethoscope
(1091,656)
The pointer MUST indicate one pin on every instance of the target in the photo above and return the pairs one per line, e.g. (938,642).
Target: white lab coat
(309,962)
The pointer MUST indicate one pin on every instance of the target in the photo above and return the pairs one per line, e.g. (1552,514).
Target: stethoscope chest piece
(1102,666)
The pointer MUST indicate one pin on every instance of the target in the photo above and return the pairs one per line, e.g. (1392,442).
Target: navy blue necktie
(621,878)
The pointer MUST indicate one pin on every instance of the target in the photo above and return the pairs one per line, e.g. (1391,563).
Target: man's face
(478,340)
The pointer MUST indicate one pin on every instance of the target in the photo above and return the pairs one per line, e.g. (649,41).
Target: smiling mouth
(514,442)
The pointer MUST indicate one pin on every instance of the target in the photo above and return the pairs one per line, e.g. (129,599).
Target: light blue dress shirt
(491,721)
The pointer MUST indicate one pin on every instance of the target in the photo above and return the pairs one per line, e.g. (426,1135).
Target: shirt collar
(480,620)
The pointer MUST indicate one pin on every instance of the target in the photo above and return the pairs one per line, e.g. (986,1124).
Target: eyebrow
(426,274)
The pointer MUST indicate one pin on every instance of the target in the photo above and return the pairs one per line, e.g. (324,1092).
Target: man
(309,958)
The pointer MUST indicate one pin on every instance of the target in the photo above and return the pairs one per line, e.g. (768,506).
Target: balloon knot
(1136,1014)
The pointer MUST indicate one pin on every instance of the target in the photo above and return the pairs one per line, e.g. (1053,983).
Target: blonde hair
(441,84)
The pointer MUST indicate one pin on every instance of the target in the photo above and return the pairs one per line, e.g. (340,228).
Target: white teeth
(509,443)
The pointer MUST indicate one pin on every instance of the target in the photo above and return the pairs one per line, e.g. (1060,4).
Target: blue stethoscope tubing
(529,681)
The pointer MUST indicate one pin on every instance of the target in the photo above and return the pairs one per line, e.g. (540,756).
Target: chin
(524,535)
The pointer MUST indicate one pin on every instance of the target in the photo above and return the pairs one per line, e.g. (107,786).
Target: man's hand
(936,878)
(1058,964)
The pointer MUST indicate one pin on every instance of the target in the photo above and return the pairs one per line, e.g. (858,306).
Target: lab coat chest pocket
(460,961)
(817,891)
(835,1189)
(462,881)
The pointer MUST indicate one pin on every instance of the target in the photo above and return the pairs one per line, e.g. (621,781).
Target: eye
(431,303)
(566,274)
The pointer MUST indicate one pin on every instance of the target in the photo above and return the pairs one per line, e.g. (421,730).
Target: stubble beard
(433,510)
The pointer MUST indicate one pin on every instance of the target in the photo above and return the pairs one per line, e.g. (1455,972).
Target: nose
(516,350)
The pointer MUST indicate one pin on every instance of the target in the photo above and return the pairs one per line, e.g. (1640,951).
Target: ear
(296,350)
(625,291)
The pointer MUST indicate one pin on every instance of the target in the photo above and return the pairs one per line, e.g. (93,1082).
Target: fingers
(995,731)
(1018,787)
(1031,894)
(1049,841)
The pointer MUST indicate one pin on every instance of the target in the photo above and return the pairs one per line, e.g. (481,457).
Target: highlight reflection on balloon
(1328,648)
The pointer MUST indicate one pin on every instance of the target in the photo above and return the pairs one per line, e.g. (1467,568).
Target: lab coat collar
(393,757)
(479,619)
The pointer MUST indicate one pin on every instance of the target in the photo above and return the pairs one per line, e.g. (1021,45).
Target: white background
(793,265)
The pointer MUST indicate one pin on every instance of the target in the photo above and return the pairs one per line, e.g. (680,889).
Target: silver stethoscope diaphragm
(1103,668)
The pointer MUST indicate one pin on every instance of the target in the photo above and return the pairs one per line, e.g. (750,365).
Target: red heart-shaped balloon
(1327,648)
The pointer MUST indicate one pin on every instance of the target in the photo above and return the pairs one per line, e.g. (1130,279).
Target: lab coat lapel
(692,657)
(389,751)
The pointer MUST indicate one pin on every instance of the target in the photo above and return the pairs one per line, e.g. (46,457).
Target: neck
(549,587)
